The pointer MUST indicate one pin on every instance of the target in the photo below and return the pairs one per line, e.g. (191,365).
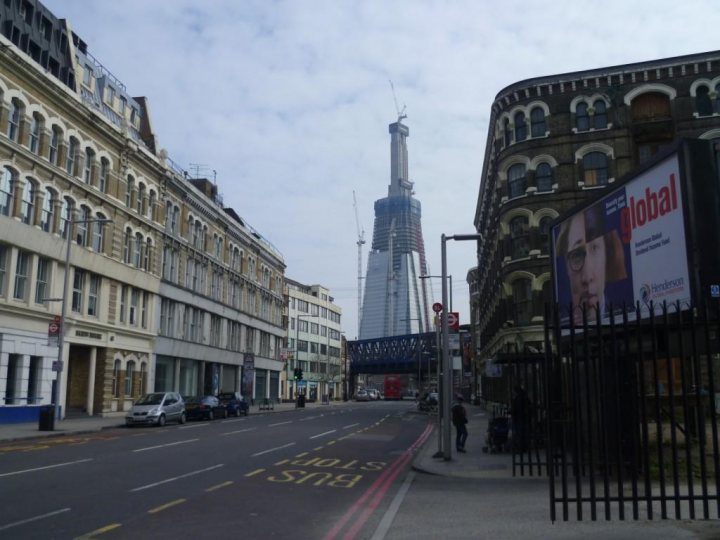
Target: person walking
(459,420)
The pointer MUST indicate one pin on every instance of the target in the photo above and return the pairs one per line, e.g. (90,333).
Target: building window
(27,204)
(507,132)
(137,250)
(582,120)
(595,169)
(77,293)
(544,230)
(123,302)
(71,153)
(97,234)
(537,122)
(4,251)
(102,179)
(129,373)
(81,236)
(152,203)
(93,292)
(522,300)
(519,245)
(128,192)
(520,127)
(127,246)
(7,183)
(66,217)
(600,120)
(54,146)
(702,101)
(147,255)
(89,161)
(14,121)
(22,267)
(544,177)
(517,183)
(35,125)
(41,283)
(144,309)
(87,75)
(134,301)
(46,216)
(140,202)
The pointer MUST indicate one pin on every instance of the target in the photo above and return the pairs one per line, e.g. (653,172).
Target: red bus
(393,388)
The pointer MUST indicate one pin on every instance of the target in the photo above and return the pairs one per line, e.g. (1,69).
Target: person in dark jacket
(520,412)
(459,420)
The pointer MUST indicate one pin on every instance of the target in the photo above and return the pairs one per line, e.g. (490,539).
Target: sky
(289,102)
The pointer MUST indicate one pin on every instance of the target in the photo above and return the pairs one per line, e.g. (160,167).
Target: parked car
(234,403)
(204,407)
(362,395)
(374,394)
(156,409)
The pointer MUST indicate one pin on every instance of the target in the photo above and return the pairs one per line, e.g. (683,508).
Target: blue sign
(715,291)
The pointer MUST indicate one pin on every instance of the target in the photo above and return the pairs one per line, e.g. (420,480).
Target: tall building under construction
(396,300)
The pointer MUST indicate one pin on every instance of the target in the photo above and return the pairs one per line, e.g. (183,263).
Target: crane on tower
(360,242)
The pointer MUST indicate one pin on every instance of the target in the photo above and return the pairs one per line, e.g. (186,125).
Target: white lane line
(46,467)
(233,420)
(161,482)
(165,445)
(323,434)
(392,510)
(239,431)
(36,518)
(280,423)
(273,449)
(194,426)
(350,425)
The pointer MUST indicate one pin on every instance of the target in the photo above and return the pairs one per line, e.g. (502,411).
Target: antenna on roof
(400,113)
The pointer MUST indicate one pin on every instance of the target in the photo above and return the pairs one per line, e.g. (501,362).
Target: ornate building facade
(554,142)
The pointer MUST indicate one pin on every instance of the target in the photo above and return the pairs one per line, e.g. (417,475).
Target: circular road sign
(437,307)
(53,328)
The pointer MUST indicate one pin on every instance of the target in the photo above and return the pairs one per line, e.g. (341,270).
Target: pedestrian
(520,413)
(459,420)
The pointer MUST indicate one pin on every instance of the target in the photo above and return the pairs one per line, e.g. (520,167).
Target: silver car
(156,409)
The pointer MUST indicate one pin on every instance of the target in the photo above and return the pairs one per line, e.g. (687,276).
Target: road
(310,473)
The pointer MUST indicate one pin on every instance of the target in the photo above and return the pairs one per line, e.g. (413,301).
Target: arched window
(600,120)
(103,177)
(595,169)
(520,127)
(147,256)
(703,104)
(54,145)
(66,216)
(128,193)
(137,257)
(582,121)
(7,185)
(522,300)
(81,236)
(168,216)
(28,202)
(544,234)
(218,247)
(507,132)
(519,245)
(35,126)
(129,374)
(71,154)
(127,245)
(152,203)
(140,202)
(89,161)
(517,182)
(537,122)
(13,131)
(236,260)
(143,379)
(46,217)
(116,379)
(97,234)
(544,177)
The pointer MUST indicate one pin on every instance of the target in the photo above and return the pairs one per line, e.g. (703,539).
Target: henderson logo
(649,208)
(656,290)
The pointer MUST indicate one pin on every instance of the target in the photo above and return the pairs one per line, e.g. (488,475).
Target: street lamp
(447,367)
(63,309)
(449,277)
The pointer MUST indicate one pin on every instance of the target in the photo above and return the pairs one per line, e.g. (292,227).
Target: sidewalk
(89,424)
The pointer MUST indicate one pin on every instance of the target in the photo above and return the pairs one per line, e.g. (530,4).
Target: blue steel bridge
(393,355)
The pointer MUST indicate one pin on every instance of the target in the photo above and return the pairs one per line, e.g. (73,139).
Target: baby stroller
(496,439)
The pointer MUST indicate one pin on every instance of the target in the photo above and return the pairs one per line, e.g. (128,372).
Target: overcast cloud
(289,101)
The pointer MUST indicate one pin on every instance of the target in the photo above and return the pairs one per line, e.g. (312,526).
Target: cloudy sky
(290,101)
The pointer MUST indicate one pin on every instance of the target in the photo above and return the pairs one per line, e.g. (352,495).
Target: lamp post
(447,367)
(63,308)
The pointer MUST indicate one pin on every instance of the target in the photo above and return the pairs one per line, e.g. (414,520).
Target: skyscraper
(396,301)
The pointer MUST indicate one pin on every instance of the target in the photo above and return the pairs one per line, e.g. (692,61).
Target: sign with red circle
(53,329)
(437,307)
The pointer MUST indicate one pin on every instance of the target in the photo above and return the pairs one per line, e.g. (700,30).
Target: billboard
(633,244)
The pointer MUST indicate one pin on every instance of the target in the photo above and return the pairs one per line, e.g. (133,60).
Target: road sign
(53,328)
(437,307)
(57,365)
(453,319)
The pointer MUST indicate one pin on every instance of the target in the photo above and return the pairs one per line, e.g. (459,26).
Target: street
(313,473)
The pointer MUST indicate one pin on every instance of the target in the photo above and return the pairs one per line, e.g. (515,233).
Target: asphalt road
(306,474)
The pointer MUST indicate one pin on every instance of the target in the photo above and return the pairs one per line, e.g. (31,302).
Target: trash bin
(46,420)
(301,401)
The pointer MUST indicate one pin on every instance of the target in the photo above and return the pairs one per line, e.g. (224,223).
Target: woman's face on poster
(586,268)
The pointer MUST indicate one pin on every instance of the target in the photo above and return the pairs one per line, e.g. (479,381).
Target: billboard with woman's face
(627,247)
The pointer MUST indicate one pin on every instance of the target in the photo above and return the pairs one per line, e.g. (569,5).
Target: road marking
(99,531)
(233,420)
(281,462)
(301,454)
(350,425)
(194,426)
(166,506)
(392,510)
(273,449)
(330,442)
(317,448)
(36,518)
(323,434)
(161,482)
(280,423)
(45,468)
(165,445)
(253,473)
(239,431)
(224,484)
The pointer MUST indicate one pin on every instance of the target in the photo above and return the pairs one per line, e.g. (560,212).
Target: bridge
(396,354)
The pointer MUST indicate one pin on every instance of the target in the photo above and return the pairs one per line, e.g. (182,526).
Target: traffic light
(298,374)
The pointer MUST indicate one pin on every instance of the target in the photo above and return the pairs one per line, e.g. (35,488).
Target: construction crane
(401,113)
(360,242)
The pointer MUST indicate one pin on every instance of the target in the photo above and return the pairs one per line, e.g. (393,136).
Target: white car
(362,395)
(374,394)
(156,409)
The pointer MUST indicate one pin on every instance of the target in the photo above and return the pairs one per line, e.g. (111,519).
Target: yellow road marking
(330,442)
(317,448)
(282,462)
(253,473)
(100,531)
(224,484)
(166,506)
(301,454)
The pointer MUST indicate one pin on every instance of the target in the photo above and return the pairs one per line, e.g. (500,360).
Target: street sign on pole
(437,307)
(453,320)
